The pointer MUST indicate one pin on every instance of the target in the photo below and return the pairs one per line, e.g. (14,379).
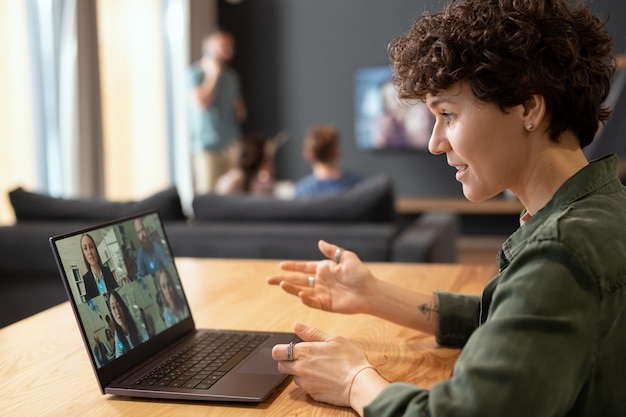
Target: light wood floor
(479,249)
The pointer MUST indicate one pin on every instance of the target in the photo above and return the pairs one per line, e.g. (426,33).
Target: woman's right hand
(346,286)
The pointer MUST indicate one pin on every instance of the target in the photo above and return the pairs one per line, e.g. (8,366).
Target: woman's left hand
(322,365)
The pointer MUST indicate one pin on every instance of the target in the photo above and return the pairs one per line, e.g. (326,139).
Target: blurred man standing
(217,110)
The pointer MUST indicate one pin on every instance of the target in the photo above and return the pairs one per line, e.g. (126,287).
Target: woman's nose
(437,144)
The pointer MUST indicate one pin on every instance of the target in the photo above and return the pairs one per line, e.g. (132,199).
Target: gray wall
(297,59)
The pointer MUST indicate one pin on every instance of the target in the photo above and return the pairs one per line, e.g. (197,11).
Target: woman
(517,89)
(127,334)
(174,306)
(98,279)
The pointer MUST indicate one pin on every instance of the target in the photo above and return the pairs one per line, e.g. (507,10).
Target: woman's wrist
(374,297)
(365,385)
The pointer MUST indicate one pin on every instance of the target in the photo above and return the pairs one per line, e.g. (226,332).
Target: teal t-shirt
(215,128)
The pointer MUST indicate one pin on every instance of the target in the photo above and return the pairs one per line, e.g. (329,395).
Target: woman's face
(117,312)
(89,250)
(487,146)
(167,288)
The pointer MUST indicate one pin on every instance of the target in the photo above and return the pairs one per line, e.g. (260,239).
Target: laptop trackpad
(255,378)
(260,362)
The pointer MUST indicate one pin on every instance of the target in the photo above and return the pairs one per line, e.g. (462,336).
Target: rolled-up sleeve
(458,317)
(399,396)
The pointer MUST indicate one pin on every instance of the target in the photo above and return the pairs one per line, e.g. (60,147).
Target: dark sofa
(362,220)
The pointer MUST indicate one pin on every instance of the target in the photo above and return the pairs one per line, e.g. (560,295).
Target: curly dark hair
(508,50)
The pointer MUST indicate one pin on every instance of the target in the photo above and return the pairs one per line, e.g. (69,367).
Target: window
(17,155)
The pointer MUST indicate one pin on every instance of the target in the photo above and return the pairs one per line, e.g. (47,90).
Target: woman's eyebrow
(437,101)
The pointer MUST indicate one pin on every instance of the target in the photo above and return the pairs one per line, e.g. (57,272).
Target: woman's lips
(460,171)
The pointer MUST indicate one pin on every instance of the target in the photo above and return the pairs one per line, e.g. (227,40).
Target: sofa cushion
(371,200)
(35,206)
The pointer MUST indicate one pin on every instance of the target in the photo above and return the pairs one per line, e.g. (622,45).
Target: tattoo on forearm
(428,309)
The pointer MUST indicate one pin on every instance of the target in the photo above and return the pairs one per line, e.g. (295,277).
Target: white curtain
(67,97)
(176,13)
(67,124)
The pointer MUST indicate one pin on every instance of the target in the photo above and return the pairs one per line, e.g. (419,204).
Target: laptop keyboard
(204,362)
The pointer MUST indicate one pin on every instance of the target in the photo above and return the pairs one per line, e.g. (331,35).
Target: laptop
(137,327)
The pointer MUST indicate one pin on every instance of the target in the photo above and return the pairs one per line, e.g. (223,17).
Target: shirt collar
(590,178)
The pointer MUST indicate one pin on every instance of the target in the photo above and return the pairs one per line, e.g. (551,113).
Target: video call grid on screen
(136,262)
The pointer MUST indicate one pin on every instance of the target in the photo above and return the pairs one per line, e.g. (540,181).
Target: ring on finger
(290,351)
(337,255)
(311,281)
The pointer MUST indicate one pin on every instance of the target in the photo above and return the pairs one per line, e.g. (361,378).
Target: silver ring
(311,281)
(290,351)
(337,255)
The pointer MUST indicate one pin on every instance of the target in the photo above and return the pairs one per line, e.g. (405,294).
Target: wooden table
(460,205)
(44,369)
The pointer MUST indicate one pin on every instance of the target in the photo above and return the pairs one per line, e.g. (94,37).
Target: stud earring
(530,126)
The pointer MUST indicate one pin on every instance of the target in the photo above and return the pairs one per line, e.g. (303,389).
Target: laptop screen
(123,283)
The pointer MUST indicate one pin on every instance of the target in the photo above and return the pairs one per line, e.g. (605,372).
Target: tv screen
(382,120)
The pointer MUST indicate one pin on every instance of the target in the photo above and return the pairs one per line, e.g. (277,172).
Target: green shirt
(548,335)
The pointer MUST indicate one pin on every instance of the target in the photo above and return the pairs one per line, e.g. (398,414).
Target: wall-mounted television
(382,120)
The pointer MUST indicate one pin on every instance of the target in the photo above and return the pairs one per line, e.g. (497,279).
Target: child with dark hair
(252,173)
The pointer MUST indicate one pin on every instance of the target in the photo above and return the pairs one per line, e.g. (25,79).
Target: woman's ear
(534,111)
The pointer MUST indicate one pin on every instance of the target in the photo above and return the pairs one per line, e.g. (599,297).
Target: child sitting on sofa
(321,149)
